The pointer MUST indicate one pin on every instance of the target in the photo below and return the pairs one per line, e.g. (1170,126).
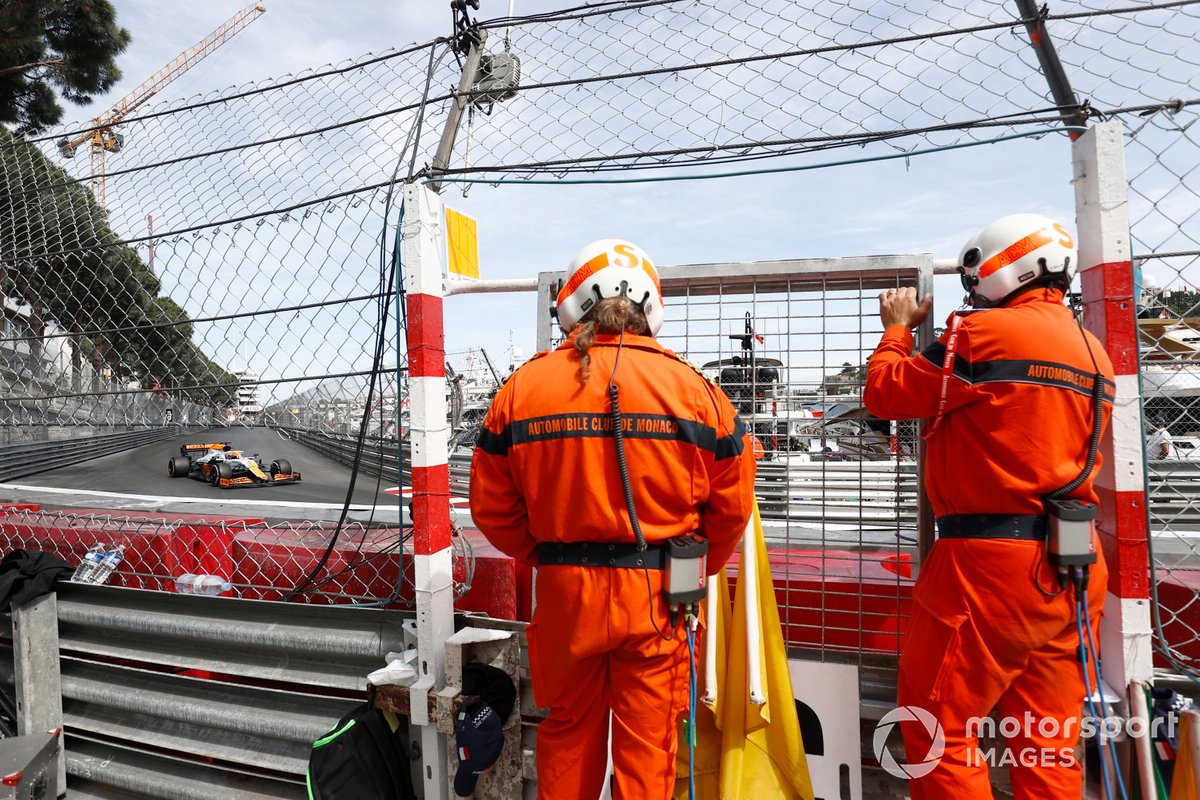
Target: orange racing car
(219,464)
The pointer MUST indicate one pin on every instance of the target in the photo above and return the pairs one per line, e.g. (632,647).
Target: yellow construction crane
(103,139)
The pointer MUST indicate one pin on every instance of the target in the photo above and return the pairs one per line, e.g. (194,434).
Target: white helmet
(1013,251)
(610,268)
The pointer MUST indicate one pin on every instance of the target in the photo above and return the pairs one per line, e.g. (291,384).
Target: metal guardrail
(1174,488)
(872,491)
(379,457)
(18,460)
(181,696)
(886,492)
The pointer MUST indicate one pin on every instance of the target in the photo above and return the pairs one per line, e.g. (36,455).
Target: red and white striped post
(430,472)
(1102,219)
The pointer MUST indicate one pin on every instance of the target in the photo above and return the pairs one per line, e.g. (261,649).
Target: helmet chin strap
(978,301)
(969,282)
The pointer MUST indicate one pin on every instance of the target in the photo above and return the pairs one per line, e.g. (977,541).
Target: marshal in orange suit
(547,489)
(1007,391)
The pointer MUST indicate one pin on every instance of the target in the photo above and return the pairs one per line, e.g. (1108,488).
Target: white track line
(159,498)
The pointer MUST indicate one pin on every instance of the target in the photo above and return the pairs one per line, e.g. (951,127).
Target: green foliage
(55,47)
(1176,302)
(848,380)
(62,258)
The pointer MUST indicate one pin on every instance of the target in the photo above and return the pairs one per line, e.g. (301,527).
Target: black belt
(992,526)
(599,554)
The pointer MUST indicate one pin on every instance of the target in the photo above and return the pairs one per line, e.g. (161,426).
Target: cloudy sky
(929,204)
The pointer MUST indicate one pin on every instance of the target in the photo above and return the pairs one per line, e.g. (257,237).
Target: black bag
(364,757)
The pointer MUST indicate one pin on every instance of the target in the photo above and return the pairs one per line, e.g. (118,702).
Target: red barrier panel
(496,587)
(158,547)
(827,599)
(363,563)
(840,600)
(262,561)
(1177,593)
(69,537)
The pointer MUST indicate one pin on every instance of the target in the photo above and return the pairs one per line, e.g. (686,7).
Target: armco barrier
(787,488)
(18,460)
(379,457)
(173,696)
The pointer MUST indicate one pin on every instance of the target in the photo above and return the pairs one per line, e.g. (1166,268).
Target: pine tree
(53,48)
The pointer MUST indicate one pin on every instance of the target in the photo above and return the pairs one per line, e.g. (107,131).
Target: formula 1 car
(221,465)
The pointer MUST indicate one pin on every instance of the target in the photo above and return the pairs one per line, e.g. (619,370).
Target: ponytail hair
(612,315)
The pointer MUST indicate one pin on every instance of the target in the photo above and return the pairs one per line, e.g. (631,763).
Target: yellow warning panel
(462,245)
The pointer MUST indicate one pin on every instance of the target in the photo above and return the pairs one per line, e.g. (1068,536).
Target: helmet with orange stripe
(610,268)
(1015,253)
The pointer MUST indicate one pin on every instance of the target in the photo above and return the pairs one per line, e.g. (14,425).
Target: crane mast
(102,138)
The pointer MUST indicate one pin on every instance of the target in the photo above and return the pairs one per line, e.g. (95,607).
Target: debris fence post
(430,471)
(1102,222)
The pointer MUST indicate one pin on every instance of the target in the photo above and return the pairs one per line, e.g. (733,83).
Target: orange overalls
(1018,417)
(545,470)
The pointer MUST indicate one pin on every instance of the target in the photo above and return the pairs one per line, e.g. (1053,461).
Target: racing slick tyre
(281,467)
(224,472)
(179,466)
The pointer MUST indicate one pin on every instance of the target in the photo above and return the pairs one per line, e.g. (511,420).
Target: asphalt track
(137,480)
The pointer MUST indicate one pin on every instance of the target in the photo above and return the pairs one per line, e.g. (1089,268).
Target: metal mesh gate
(837,488)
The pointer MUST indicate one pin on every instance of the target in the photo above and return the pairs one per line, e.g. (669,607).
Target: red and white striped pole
(430,473)
(1102,219)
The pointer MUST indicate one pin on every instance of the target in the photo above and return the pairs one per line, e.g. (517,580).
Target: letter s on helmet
(1014,251)
(610,268)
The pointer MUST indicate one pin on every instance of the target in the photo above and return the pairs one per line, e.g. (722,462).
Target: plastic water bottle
(202,584)
(108,565)
(88,564)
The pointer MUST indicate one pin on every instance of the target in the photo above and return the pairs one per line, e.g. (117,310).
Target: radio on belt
(687,562)
(1071,543)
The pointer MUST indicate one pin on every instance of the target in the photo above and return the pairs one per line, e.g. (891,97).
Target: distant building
(16,338)
(249,403)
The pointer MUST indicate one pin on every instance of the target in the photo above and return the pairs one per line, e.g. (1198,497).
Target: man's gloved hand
(899,307)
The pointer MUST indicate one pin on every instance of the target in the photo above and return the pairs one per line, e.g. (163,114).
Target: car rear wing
(205,447)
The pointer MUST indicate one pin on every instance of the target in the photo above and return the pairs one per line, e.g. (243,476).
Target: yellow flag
(761,753)
(462,245)
(1187,765)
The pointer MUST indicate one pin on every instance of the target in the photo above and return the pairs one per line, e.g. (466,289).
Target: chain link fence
(1161,160)
(261,560)
(242,265)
